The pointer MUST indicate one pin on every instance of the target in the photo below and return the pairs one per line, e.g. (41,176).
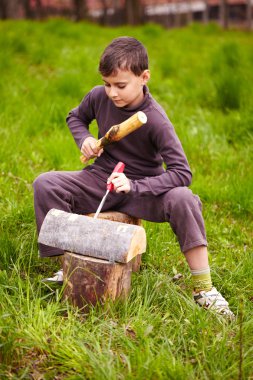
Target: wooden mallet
(117,132)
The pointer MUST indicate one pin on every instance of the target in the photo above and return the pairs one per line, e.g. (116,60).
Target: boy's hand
(120,181)
(89,148)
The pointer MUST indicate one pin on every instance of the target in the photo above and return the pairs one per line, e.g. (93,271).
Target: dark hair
(124,53)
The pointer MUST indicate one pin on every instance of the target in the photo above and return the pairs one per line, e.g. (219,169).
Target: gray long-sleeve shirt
(143,151)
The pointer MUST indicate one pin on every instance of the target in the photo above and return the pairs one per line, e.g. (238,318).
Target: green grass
(203,77)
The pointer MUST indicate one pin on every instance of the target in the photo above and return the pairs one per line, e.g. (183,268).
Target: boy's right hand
(89,148)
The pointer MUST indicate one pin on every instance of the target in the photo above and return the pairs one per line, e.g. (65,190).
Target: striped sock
(201,279)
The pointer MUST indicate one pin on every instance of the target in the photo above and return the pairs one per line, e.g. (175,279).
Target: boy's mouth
(117,101)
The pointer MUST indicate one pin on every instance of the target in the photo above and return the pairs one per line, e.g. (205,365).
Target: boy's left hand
(120,181)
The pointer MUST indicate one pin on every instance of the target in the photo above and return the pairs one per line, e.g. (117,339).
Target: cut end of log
(142,117)
(138,244)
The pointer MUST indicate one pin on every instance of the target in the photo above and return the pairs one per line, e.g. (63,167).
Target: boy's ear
(145,76)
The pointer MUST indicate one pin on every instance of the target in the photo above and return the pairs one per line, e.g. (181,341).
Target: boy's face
(125,88)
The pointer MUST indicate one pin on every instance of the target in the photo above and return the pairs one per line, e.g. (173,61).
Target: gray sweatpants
(81,192)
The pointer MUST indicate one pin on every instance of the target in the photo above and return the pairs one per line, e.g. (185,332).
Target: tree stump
(89,280)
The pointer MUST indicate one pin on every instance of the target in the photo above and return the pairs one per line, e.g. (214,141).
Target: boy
(145,190)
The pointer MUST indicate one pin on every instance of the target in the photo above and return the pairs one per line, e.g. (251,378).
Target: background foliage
(203,78)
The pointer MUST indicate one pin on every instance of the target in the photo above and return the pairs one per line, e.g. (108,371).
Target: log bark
(102,239)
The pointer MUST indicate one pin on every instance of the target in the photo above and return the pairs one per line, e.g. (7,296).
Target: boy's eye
(120,86)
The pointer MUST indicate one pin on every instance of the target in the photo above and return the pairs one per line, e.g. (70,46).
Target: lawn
(203,77)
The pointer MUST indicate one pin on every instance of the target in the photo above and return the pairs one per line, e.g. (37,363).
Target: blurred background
(170,13)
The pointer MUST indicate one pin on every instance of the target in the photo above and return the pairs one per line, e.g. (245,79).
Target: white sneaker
(214,301)
(57,278)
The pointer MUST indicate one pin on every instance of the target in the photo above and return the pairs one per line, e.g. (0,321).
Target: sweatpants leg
(179,206)
(76,192)
(81,192)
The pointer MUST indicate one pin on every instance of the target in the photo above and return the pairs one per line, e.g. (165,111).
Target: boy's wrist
(84,138)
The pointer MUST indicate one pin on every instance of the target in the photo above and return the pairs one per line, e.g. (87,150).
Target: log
(99,238)
(90,280)
(123,218)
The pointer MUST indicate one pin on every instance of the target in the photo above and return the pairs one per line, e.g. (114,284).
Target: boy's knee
(181,198)
(41,183)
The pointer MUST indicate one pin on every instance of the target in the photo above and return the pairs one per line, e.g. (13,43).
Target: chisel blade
(119,168)
(101,204)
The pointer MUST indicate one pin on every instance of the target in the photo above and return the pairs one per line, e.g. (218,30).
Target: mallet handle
(117,132)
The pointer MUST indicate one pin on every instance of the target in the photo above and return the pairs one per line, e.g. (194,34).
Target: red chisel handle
(119,168)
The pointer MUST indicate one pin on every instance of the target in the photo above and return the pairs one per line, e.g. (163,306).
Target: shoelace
(213,300)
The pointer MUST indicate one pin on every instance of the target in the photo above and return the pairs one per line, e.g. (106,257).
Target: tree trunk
(133,12)
(224,13)
(39,9)
(3,9)
(27,9)
(206,12)
(105,7)
(177,15)
(249,15)
(190,12)
(80,9)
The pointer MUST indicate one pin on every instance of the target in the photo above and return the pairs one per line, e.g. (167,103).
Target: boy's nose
(113,93)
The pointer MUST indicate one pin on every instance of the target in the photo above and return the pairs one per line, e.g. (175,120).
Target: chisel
(119,168)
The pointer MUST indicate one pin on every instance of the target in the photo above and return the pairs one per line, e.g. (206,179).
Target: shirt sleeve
(177,172)
(79,119)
